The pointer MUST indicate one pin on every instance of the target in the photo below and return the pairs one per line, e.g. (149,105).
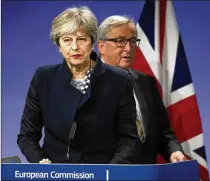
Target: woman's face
(76,47)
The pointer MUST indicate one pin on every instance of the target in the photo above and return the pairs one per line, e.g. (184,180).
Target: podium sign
(187,170)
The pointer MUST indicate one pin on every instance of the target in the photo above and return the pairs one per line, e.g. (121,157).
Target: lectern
(187,170)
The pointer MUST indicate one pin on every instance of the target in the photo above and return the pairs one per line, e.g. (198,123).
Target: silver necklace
(86,81)
(82,85)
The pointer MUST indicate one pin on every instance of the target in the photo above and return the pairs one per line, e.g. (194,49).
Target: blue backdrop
(26,45)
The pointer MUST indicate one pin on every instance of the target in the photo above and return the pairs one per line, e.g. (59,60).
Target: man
(117,41)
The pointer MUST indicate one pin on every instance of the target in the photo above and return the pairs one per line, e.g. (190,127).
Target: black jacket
(106,130)
(160,138)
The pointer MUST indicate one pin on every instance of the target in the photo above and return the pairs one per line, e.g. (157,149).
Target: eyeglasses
(121,42)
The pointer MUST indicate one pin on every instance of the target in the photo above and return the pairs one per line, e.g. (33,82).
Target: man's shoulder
(116,71)
(140,75)
(143,80)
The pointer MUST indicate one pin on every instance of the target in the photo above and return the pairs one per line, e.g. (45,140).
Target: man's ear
(101,47)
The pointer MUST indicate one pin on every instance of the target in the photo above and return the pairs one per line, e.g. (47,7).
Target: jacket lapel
(97,72)
(69,97)
(95,77)
(141,100)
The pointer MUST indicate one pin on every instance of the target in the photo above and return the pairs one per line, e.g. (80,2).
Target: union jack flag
(161,54)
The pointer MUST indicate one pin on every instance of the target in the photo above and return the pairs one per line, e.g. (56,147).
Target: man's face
(114,53)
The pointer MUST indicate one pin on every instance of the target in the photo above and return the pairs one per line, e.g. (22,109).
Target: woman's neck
(79,71)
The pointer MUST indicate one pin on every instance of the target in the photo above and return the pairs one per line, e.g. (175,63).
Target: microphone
(75,156)
(71,138)
(72,155)
(72,131)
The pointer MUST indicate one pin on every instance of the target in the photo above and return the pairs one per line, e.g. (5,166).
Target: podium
(187,170)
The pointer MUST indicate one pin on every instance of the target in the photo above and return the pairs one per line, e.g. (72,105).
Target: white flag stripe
(182,93)
(200,160)
(150,55)
(157,31)
(171,40)
(193,144)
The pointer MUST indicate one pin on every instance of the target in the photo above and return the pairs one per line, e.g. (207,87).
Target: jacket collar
(97,71)
(99,68)
(133,73)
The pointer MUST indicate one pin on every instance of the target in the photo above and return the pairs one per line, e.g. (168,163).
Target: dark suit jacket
(106,130)
(160,137)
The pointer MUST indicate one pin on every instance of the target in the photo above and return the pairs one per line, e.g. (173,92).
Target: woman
(86,107)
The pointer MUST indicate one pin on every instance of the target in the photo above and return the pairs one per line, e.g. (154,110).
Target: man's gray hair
(71,20)
(110,22)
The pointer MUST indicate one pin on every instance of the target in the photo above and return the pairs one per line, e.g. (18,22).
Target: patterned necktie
(139,128)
